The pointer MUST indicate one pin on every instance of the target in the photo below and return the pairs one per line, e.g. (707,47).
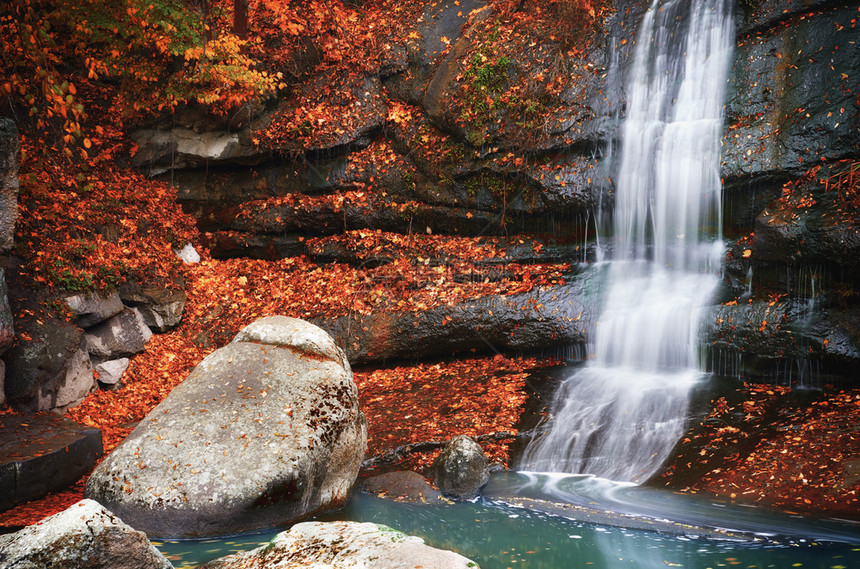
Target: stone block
(49,367)
(122,336)
(110,372)
(43,453)
(91,309)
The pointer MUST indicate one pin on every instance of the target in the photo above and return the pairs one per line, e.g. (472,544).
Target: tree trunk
(204,10)
(240,18)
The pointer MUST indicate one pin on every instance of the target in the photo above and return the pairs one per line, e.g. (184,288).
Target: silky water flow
(619,415)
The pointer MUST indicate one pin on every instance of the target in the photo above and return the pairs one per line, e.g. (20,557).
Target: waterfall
(620,415)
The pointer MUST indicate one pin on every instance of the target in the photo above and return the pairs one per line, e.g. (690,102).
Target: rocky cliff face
(478,125)
(9,149)
(791,153)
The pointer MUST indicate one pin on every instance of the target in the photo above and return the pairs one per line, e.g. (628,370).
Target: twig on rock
(398,454)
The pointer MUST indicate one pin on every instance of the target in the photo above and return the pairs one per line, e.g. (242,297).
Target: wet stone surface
(41,453)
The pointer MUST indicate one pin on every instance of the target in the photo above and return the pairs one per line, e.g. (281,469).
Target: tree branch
(398,454)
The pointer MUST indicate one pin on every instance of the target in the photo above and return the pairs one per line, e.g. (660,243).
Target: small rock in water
(461,469)
(402,486)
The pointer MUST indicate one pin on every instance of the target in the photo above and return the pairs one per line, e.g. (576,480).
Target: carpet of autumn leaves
(768,444)
(477,396)
(472,397)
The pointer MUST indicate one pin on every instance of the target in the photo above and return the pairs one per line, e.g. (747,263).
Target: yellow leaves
(192,53)
(399,113)
(293,28)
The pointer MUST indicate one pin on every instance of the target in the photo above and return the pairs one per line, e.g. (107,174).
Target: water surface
(499,536)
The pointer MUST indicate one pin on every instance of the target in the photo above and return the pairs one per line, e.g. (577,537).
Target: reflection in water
(499,536)
(622,548)
(679,513)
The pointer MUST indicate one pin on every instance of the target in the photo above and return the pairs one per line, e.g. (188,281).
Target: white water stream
(621,414)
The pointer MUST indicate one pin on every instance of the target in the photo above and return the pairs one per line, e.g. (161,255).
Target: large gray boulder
(84,536)
(461,469)
(343,545)
(265,431)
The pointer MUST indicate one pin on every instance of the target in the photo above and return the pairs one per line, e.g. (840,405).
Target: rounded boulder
(461,469)
(258,436)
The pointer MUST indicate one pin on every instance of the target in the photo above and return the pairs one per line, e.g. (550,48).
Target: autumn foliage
(77,74)
(102,227)
(769,445)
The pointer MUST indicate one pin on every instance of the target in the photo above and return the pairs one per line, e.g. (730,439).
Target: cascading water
(619,416)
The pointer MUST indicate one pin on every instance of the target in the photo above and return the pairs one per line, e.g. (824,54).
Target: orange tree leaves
(163,53)
(28,65)
(166,53)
